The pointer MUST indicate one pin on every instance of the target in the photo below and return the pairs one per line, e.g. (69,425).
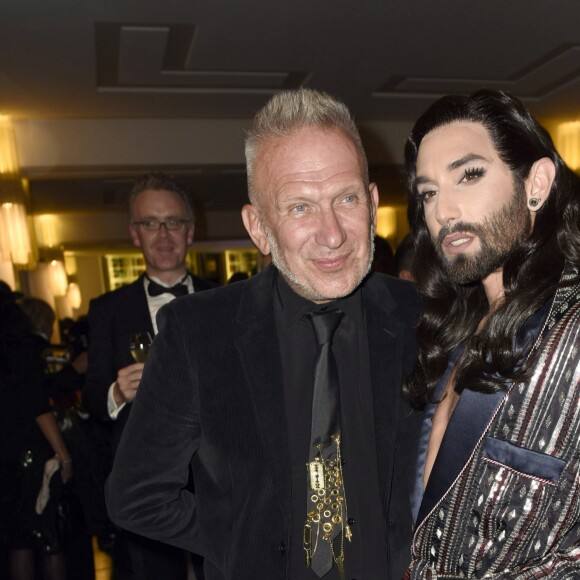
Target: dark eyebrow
(464,160)
(456,165)
(421,180)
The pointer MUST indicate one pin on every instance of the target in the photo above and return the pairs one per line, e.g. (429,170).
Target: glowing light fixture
(15,244)
(8,158)
(46,229)
(7,273)
(73,295)
(58,281)
(386,222)
(70,263)
(14,238)
(567,141)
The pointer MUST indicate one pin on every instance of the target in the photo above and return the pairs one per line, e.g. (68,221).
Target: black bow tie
(154,289)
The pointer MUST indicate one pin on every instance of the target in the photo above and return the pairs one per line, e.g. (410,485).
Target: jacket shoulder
(403,292)
(201,284)
(112,297)
(213,298)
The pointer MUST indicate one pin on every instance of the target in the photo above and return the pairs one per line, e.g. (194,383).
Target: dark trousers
(197,565)
(151,560)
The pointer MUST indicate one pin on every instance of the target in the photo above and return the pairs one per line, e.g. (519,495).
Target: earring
(534,201)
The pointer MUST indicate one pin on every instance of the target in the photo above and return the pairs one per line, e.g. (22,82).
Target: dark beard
(500,234)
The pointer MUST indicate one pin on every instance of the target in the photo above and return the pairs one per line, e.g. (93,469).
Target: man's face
(164,250)
(475,213)
(314,213)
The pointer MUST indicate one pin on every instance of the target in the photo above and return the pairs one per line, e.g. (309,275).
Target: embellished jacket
(503,498)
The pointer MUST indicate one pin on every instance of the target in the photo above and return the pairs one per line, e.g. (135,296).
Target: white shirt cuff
(112,407)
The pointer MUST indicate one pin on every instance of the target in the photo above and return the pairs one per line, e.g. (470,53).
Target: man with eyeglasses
(162,226)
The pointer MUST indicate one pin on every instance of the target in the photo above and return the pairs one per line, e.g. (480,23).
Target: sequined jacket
(503,498)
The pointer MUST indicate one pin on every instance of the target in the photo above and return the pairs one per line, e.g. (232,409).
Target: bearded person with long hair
(495,217)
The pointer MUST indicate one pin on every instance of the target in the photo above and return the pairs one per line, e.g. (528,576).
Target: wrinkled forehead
(308,153)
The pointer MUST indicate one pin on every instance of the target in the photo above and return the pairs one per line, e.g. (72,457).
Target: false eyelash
(474,172)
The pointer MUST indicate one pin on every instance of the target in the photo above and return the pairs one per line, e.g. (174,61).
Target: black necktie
(324,518)
(179,289)
(326,397)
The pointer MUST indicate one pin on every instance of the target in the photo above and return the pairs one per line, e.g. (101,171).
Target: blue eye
(300,208)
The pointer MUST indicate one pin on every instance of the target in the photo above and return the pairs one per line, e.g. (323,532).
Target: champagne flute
(139,346)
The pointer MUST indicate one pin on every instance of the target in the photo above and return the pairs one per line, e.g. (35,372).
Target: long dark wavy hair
(530,274)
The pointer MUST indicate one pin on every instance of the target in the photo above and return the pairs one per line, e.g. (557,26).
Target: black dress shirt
(366,555)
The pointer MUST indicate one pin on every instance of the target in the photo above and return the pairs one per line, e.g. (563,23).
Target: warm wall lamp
(73,295)
(15,244)
(567,140)
(386,222)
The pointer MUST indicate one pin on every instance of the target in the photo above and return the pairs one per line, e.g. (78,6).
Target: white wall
(44,144)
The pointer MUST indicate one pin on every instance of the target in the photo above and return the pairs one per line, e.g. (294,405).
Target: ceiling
(80,60)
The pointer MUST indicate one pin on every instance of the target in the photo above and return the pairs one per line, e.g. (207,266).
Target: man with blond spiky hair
(299,442)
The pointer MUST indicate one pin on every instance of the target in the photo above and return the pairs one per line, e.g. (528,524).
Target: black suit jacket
(113,318)
(212,397)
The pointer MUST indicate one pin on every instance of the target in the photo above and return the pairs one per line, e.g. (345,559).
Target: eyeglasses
(153,225)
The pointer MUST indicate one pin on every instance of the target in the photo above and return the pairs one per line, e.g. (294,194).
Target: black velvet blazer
(212,399)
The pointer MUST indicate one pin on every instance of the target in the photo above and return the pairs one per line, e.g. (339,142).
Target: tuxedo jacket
(212,397)
(113,318)
(503,498)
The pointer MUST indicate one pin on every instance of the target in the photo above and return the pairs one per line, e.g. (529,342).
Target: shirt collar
(294,306)
(185,279)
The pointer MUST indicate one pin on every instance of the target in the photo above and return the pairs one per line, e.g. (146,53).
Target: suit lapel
(474,414)
(137,309)
(469,422)
(258,347)
(200,284)
(385,347)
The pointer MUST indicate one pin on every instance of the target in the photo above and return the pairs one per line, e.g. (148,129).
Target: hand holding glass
(139,346)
